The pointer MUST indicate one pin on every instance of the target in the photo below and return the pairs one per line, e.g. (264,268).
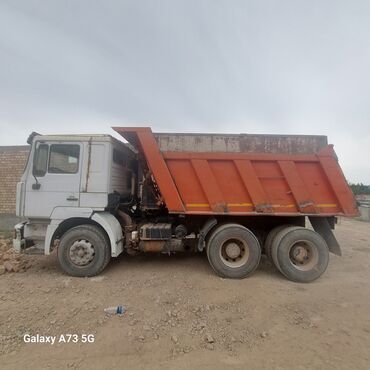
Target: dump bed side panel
(246,183)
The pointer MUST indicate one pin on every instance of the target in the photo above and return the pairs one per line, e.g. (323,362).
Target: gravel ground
(180,315)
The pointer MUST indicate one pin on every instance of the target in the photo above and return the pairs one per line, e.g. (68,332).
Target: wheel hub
(300,254)
(233,250)
(303,255)
(81,252)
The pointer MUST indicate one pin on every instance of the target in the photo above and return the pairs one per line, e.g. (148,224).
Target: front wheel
(233,251)
(84,251)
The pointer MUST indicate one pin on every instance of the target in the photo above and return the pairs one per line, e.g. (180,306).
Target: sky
(222,66)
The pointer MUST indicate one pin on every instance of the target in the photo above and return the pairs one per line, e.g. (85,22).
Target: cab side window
(64,158)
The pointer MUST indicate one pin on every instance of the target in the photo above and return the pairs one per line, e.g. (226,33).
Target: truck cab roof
(81,138)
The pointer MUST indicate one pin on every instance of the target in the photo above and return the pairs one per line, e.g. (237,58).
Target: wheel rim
(303,255)
(234,253)
(82,252)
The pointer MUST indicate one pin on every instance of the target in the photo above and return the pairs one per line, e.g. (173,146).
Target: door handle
(72,198)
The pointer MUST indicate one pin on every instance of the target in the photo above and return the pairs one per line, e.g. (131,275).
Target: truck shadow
(177,262)
(182,263)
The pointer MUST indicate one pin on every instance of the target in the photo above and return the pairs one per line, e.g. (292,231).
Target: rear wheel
(276,242)
(84,251)
(300,254)
(233,251)
(270,238)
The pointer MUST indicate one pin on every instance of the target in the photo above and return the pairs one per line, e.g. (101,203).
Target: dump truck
(234,197)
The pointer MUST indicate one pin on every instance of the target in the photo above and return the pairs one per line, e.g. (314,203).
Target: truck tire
(276,241)
(270,238)
(300,254)
(233,251)
(84,251)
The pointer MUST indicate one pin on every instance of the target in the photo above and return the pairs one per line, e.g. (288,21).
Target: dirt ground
(180,315)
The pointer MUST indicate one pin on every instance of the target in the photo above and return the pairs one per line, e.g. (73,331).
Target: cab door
(54,179)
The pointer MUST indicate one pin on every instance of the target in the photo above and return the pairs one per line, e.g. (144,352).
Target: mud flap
(203,233)
(322,226)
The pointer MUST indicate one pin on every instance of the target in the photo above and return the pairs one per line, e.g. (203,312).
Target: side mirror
(36,186)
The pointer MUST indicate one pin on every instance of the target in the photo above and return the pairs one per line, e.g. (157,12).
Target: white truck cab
(69,181)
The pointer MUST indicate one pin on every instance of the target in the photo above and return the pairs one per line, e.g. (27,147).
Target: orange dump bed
(283,182)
